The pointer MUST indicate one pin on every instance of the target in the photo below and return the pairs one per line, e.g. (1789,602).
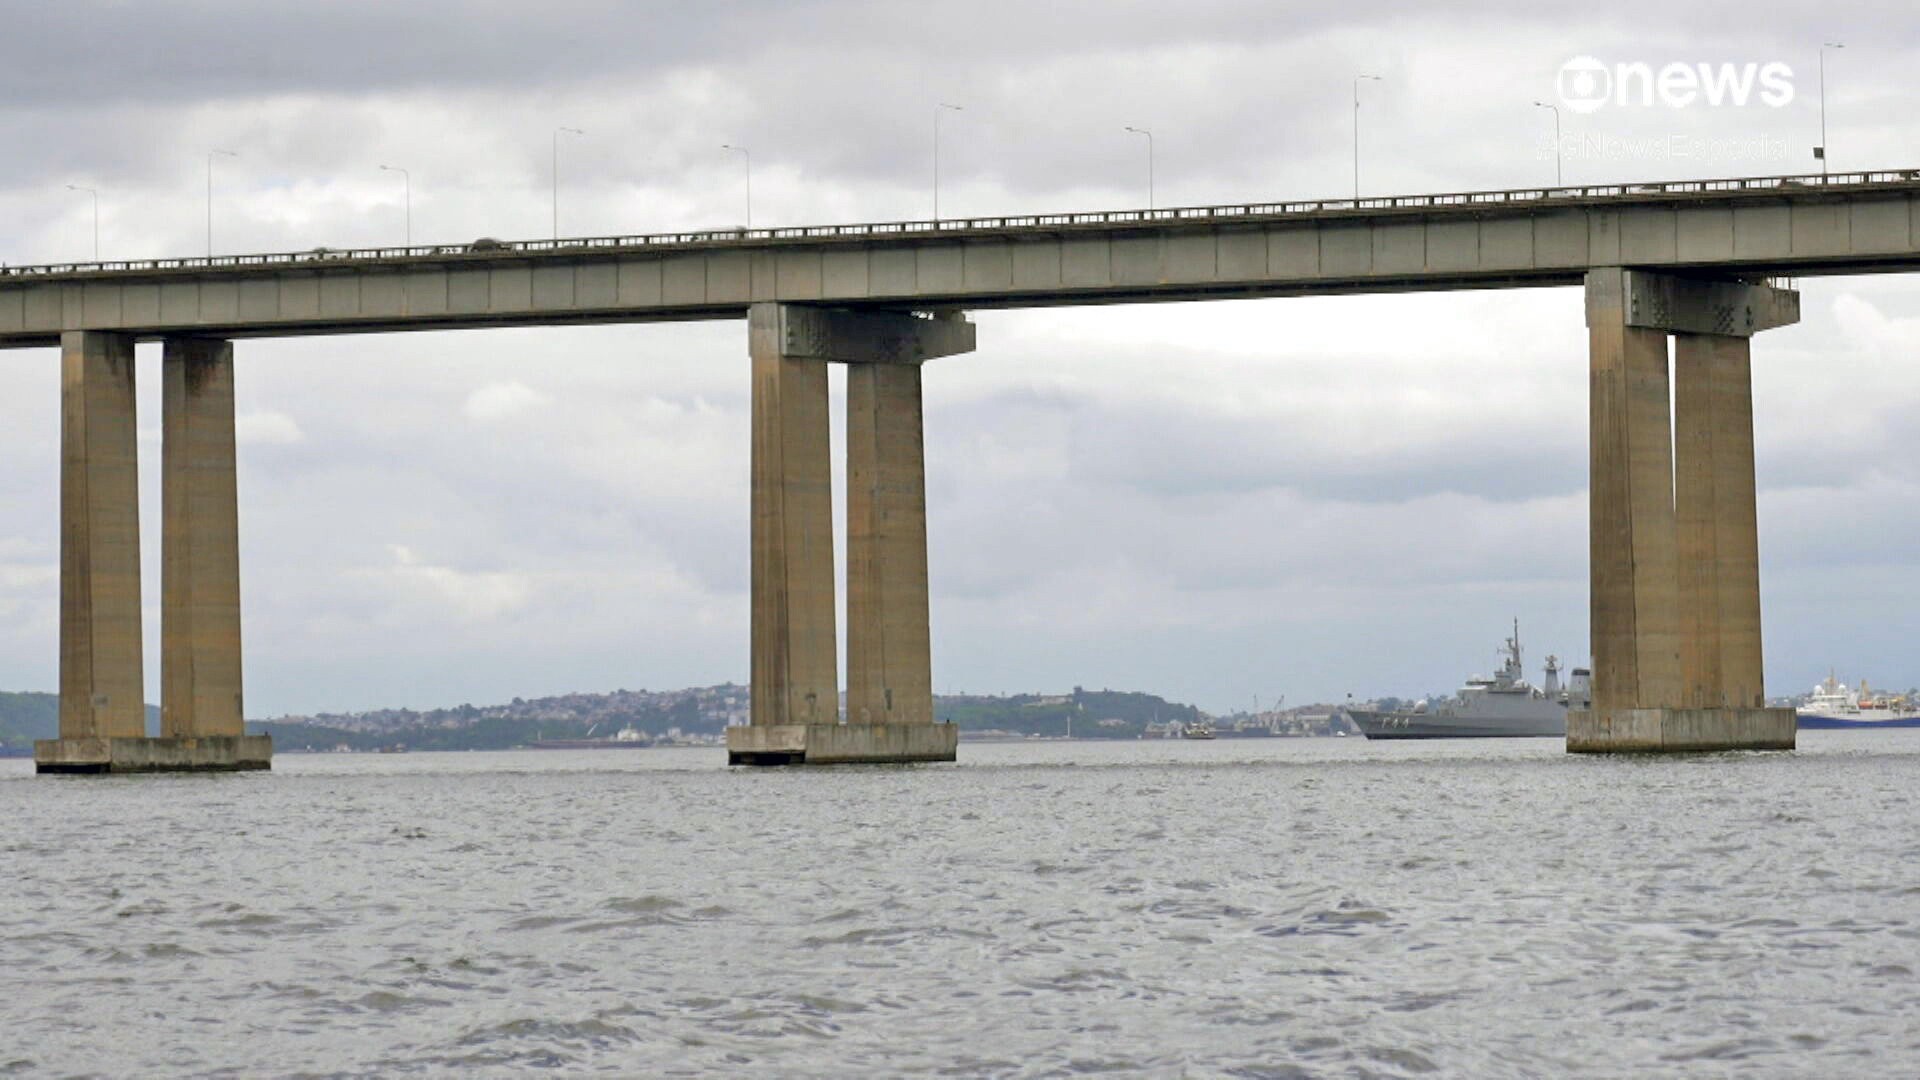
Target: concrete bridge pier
(102,709)
(101,689)
(1675,552)
(795,699)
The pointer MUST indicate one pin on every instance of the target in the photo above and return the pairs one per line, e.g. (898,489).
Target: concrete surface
(795,650)
(1634,594)
(889,652)
(1715,506)
(842,744)
(1675,568)
(219,753)
(889,659)
(1126,257)
(1667,731)
(200,681)
(101,688)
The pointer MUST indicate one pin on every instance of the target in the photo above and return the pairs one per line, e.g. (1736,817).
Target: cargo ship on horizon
(1834,707)
(627,738)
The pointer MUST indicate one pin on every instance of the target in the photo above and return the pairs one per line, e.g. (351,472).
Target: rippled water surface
(1269,908)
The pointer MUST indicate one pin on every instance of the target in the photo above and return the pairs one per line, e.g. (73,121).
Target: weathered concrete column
(1675,573)
(102,704)
(1714,496)
(795,646)
(889,654)
(102,693)
(1636,648)
(200,686)
(890,701)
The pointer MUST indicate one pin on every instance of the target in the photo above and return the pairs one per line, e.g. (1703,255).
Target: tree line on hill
(25,717)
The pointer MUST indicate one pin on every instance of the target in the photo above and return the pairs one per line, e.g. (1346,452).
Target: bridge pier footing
(795,699)
(102,710)
(841,744)
(1675,555)
(212,753)
(1686,730)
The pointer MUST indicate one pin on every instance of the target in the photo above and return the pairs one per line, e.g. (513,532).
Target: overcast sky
(1212,501)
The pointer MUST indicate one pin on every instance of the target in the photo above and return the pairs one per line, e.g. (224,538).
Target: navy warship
(1504,706)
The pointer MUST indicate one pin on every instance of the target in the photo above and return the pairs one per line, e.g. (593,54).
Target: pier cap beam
(1688,305)
(871,337)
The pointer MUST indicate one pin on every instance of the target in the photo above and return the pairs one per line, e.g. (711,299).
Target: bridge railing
(490,248)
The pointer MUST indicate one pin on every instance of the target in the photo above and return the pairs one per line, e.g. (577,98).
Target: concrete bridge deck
(1747,227)
(1673,278)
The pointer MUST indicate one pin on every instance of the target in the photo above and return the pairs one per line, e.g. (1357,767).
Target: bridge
(1674,560)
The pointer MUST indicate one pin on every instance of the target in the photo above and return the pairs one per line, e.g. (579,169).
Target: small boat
(1199,729)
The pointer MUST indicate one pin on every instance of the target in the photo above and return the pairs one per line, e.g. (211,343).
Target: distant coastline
(695,716)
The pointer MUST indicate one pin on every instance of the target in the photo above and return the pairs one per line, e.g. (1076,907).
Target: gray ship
(1505,706)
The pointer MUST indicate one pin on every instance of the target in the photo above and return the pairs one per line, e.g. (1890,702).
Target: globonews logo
(1588,85)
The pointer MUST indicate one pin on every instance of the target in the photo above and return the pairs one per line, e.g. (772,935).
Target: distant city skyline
(1208,502)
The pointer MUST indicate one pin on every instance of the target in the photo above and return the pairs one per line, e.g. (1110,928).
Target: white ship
(1504,706)
(1834,706)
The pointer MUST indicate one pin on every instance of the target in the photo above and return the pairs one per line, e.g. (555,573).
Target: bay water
(1256,908)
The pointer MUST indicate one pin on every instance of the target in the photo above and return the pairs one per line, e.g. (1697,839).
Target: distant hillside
(697,711)
(1111,714)
(700,712)
(25,717)
(29,715)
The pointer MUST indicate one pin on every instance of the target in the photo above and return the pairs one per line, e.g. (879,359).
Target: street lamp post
(211,154)
(1149,135)
(557,132)
(747,159)
(96,216)
(1357,80)
(1557,181)
(937,110)
(1821,150)
(407,178)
